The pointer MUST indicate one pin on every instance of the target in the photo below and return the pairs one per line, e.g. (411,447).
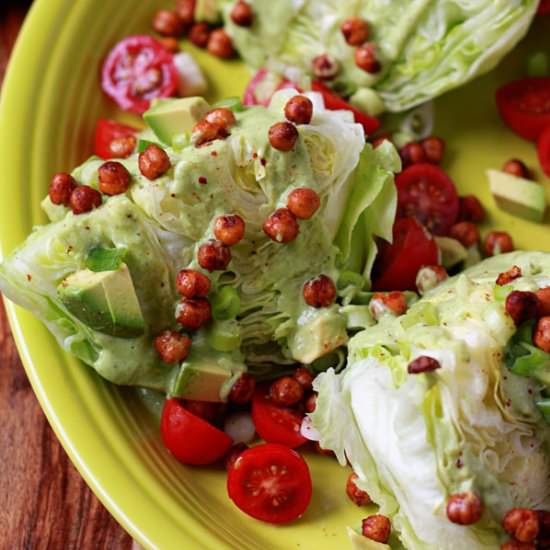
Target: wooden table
(45,504)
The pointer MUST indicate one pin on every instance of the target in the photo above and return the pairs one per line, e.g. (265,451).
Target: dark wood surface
(44,503)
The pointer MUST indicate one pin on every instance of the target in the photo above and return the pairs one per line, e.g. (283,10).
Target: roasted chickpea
(114,178)
(434,149)
(319,292)
(382,303)
(516,545)
(509,276)
(471,210)
(377,528)
(214,256)
(122,147)
(464,508)
(522,524)
(281,226)
(229,229)
(283,136)
(204,409)
(355,31)
(429,277)
(192,284)
(222,117)
(522,306)
(200,34)
(365,58)
(168,23)
(311,403)
(356,495)
(220,44)
(412,153)
(543,295)
(172,346)
(466,233)
(286,391)
(193,313)
(235,452)
(304,377)
(61,188)
(242,14)
(325,67)
(541,336)
(186,11)
(423,364)
(154,162)
(243,389)
(170,43)
(299,109)
(517,168)
(84,199)
(498,242)
(303,202)
(205,132)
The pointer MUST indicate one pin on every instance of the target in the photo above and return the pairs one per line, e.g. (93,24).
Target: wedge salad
(296,268)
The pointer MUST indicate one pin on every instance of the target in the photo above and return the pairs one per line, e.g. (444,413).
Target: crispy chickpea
(193,313)
(522,306)
(286,391)
(205,132)
(220,44)
(235,452)
(517,168)
(186,11)
(200,34)
(498,242)
(429,277)
(243,389)
(355,31)
(471,209)
(154,162)
(122,147)
(319,292)
(168,23)
(310,403)
(464,508)
(412,153)
(466,233)
(299,109)
(281,226)
(84,199)
(516,545)
(229,229)
(61,188)
(214,256)
(508,276)
(170,43)
(242,14)
(325,67)
(541,336)
(222,117)
(114,178)
(522,524)
(377,528)
(543,294)
(304,377)
(365,58)
(283,136)
(172,346)
(303,202)
(382,303)
(423,364)
(356,495)
(192,284)
(434,149)
(203,409)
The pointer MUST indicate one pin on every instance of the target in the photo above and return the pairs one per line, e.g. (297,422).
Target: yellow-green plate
(51,101)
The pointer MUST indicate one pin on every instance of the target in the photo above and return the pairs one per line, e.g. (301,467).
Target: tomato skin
(398,263)
(524,106)
(336,103)
(250,97)
(105,132)
(189,438)
(276,424)
(543,151)
(544,7)
(275,473)
(131,62)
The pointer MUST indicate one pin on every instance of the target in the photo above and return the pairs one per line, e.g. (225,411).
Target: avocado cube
(201,379)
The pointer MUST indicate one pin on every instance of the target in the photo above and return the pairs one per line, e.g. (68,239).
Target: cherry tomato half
(262,87)
(106,131)
(271,483)
(336,103)
(137,70)
(428,194)
(544,7)
(398,263)
(524,106)
(276,424)
(189,438)
(543,150)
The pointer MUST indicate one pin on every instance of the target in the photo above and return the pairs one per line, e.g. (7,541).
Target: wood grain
(44,503)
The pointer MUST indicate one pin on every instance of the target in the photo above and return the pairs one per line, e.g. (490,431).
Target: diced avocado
(106,301)
(359,542)
(451,251)
(319,332)
(224,335)
(518,196)
(169,118)
(207,11)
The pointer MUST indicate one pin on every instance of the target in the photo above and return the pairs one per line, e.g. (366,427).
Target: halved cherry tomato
(271,483)
(428,194)
(262,87)
(276,424)
(544,7)
(543,149)
(189,438)
(336,103)
(524,105)
(398,263)
(106,131)
(137,70)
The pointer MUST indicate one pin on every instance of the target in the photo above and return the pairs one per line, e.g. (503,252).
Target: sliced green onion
(224,335)
(226,304)
(350,278)
(180,141)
